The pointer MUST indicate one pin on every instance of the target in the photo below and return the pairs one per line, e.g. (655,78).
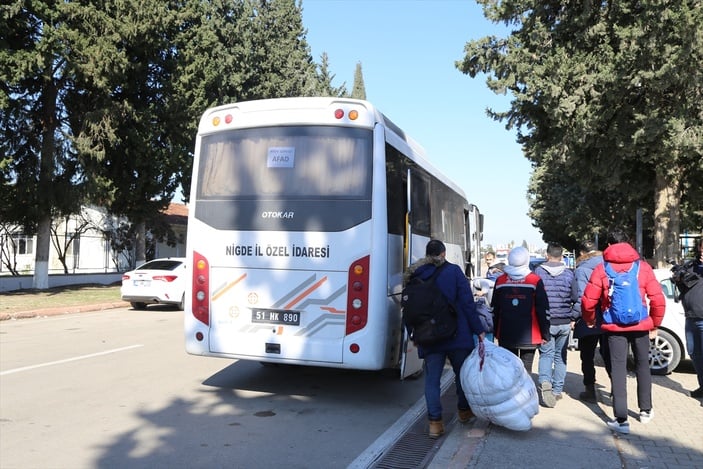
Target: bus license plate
(272,316)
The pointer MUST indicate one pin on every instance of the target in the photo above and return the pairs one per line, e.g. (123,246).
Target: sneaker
(589,395)
(697,393)
(548,399)
(558,397)
(465,415)
(646,415)
(620,427)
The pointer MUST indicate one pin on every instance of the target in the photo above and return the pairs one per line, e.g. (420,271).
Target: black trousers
(620,343)
(527,355)
(587,352)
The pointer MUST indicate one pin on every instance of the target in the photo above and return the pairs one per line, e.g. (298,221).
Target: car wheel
(664,353)
(182,304)
(137,305)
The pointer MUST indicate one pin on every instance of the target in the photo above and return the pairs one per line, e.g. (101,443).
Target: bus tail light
(358,295)
(201,289)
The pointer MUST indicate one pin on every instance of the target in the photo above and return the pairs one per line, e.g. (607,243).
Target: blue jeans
(552,357)
(694,345)
(434,367)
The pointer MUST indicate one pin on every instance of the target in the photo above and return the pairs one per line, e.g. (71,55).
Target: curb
(34,313)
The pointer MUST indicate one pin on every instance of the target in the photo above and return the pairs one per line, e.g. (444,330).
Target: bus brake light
(358,295)
(200,288)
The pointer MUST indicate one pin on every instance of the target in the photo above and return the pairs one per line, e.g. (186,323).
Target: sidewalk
(574,434)
(62,310)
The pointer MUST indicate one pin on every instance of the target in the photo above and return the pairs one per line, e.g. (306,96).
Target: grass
(70,295)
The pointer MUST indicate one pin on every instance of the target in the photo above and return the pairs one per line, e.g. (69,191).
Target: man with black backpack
(689,281)
(453,284)
(619,285)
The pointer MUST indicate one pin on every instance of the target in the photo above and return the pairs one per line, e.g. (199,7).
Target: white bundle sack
(498,387)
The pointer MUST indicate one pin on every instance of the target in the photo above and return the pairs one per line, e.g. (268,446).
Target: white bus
(304,214)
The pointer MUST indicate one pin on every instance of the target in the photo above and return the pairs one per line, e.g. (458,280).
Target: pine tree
(606,103)
(358,90)
(325,78)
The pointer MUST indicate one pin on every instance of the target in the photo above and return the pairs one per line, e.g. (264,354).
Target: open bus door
(410,362)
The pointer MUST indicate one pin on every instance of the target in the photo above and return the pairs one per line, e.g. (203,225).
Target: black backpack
(426,312)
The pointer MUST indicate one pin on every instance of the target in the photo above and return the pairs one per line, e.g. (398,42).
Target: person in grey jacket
(557,278)
(588,337)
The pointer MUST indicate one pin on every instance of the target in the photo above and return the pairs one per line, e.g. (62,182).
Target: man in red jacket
(621,255)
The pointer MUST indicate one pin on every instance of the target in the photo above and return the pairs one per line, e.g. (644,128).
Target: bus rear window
(286,162)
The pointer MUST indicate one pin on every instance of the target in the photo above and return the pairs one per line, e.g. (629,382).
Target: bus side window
(420,209)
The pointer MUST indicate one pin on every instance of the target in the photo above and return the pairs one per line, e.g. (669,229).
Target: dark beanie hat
(588,246)
(434,248)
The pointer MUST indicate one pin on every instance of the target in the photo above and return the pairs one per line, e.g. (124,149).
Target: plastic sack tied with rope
(498,387)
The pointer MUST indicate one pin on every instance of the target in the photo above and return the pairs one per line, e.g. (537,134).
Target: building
(86,243)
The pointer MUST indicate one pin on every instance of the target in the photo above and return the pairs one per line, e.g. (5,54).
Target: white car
(669,348)
(161,281)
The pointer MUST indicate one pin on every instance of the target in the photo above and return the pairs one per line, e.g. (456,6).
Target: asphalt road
(116,389)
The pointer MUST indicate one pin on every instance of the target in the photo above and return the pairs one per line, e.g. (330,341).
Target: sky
(407,50)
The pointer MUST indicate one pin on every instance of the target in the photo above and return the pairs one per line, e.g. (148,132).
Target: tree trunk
(40,280)
(47,167)
(667,219)
(140,242)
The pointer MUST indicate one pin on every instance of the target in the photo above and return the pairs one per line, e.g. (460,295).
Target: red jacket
(621,256)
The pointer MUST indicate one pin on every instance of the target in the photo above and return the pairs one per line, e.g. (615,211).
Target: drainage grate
(414,449)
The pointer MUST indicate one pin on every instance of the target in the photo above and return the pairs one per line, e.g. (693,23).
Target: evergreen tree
(103,98)
(325,78)
(40,177)
(127,110)
(606,103)
(277,61)
(358,90)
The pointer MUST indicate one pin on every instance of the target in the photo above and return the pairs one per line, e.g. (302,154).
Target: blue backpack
(626,307)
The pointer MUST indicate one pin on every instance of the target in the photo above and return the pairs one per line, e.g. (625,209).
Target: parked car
(160,281)
(536,262)
(668,349)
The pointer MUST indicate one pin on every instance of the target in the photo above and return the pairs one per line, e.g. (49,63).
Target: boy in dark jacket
(557,280)
(520,308)
(588,337)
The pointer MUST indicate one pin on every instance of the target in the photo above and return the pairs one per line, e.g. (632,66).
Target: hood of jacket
(620,253)
(415,266)
(554,268)
(588,256)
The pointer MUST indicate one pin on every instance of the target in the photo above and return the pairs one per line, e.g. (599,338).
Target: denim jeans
(434,367)
(552,357)
(694,345)
(620,343)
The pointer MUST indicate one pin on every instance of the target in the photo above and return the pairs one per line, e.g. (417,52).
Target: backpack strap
(434,275)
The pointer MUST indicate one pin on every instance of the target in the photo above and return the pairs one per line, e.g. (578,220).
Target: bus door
(410,362)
